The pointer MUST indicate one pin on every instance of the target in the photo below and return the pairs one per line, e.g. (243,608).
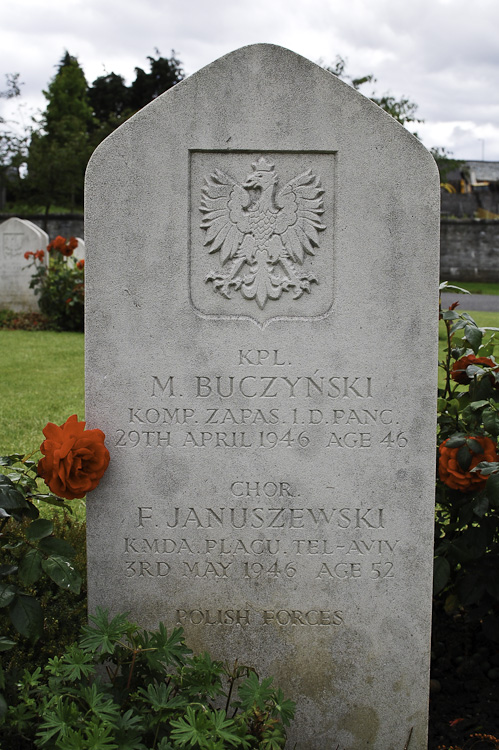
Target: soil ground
(464,695)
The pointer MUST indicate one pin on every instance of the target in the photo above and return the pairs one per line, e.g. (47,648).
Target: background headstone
(79,252)
(262,273)
(18,236)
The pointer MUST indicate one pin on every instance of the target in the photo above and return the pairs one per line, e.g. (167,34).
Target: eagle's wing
(299,219)
(224,220)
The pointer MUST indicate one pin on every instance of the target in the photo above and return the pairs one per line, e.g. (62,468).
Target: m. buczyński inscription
(261,248)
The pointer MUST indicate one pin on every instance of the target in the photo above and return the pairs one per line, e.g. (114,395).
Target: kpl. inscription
(322,409)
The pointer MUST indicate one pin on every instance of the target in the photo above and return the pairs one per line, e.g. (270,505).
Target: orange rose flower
(80,264)
(72,243)
(450,470)
(58,243)
(458,372)
(74,460)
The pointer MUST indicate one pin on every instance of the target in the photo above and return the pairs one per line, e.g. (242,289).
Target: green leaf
(444,286)
(10,460)
(53,546)
(486,467)
(10,497)
(464,458)
(450,315)
(105,634)
(456,441)
(53,500)
(26,616)
(7,593)
(492,489)
(62,572)
(6,644)
(441,404)
(457,326)
(441,574)
(30,568)
(481,506)
(474,446)
(473,336)
(476,405)
(7,570)
(39,529)
(490,419)
(467,316)
(252,692)
(470,589)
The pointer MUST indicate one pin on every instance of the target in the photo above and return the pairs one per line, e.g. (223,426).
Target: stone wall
(469,250)
(67,225)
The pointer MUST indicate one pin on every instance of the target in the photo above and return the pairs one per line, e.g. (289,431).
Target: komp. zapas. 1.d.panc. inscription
(261,232)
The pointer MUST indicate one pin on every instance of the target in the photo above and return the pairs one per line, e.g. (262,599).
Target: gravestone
(18,236)
(262,272)
(79,252)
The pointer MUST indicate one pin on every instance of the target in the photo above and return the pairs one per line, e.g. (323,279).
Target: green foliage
(60,148)
(60,286)
(157,696)
(402,110)
(467,510)
(113,101)
(28,551)
(22,321)
(445,162)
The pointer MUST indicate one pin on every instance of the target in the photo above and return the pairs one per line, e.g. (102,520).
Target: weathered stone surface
(18,236)
(262,267)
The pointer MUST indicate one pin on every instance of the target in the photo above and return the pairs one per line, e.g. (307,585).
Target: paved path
(488,302)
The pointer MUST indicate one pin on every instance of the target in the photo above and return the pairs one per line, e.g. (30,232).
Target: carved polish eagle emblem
(263,233)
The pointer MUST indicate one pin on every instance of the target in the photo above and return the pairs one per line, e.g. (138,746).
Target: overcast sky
(441,54)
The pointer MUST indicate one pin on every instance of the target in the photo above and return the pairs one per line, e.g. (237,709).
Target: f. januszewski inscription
(261,249)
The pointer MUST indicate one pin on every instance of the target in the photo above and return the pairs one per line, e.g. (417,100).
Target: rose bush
(467,491)
(60,286)
(74,460)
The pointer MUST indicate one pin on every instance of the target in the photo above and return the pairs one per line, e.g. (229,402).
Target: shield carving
(261,234)
(13,243)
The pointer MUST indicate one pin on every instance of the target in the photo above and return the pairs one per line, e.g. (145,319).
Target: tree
(113,102)
(163,74)
(60,149)
(402,110)
(13,146)
(445,163)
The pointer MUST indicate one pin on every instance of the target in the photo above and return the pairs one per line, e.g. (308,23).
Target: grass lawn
(42,380)
(476,287)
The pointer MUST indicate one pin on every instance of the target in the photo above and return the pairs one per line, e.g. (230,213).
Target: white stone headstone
(18,236)
(262,275)
(79,252)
